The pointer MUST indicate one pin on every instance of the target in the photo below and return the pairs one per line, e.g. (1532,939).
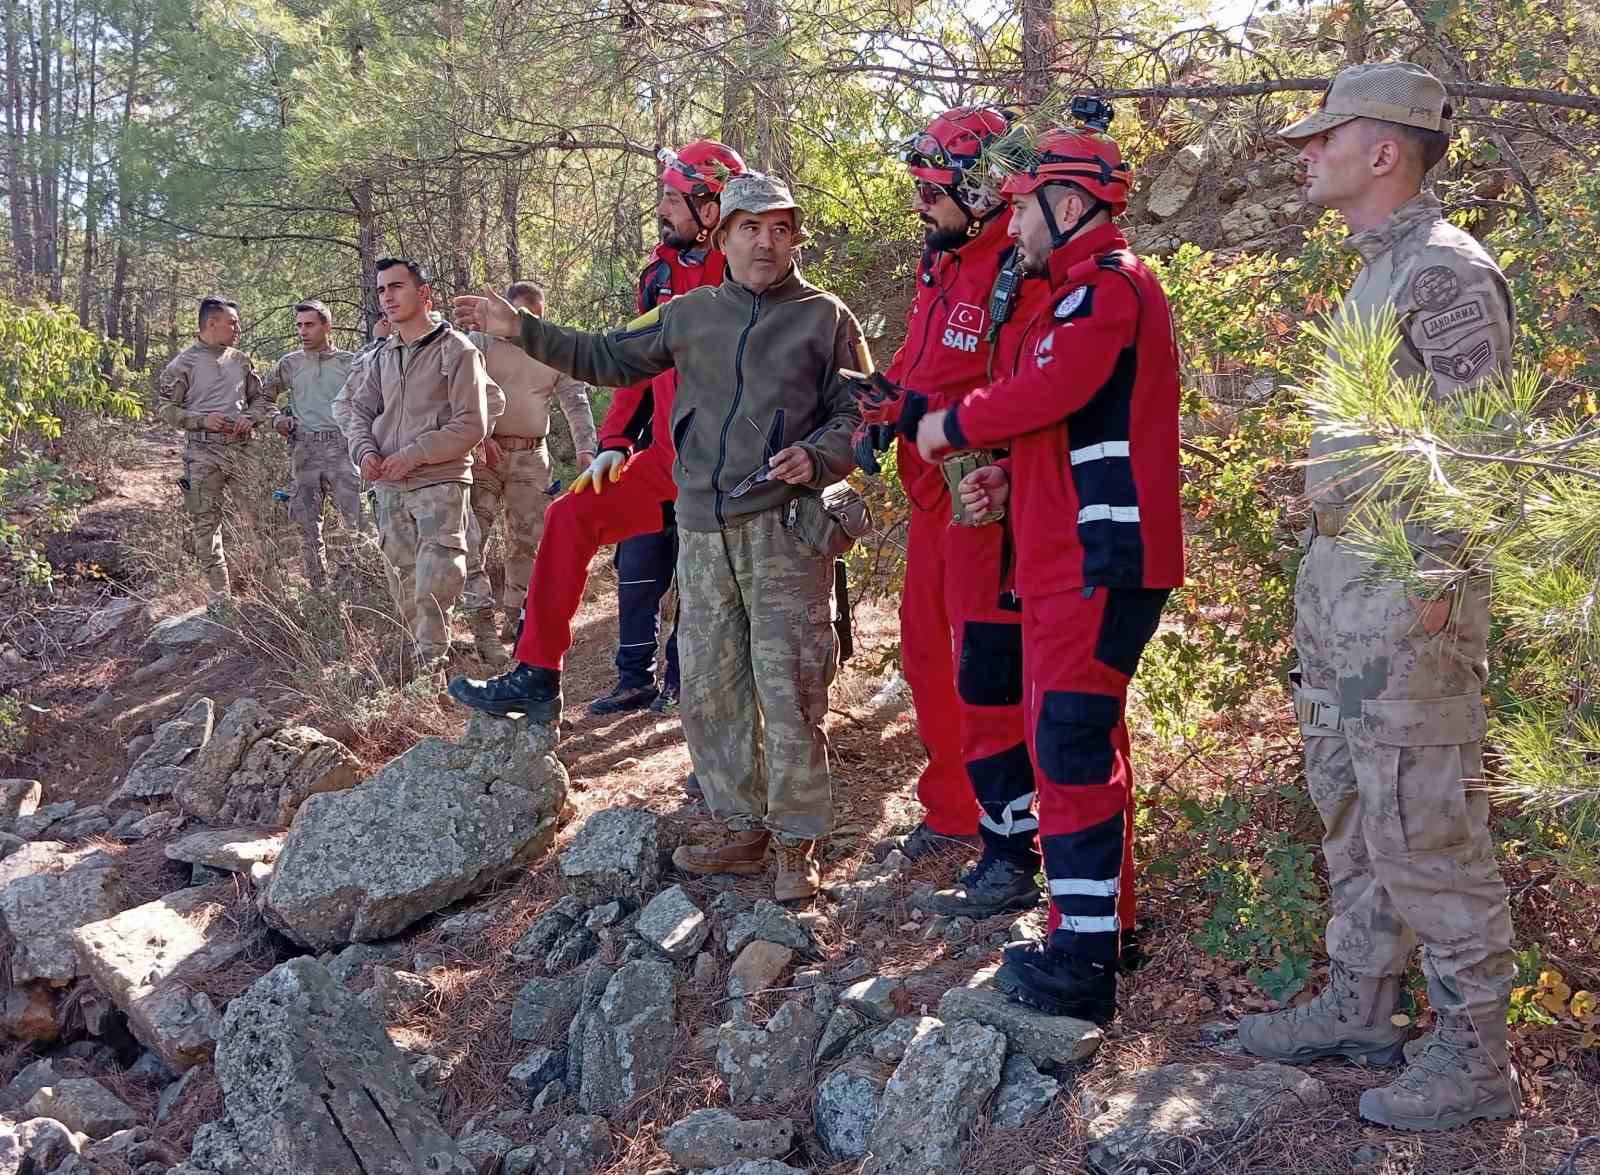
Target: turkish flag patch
(966,316)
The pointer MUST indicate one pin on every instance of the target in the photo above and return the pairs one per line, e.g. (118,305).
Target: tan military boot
(799,877)
(1461,1074)
(485,637)
(742,853)
(1348,1018)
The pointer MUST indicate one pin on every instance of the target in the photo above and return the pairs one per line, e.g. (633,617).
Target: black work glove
(867,442)
(876,398)
(916,407)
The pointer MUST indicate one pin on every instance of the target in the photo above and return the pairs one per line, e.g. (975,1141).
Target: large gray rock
(184,633)
(256,770)
(846,1105)
(756,1167)
(310,1082)
(543,1009)
(715,1137)
(1156,1115)
(162,765)
(39,1144)
(146,959)
(439,822)
(1050,1042)
(614,856)
(770,1065)
(673,924)
(1023,1094)
(770,922)
(230,849)
(46,892)
(1176,184)
(83,1106)
(18,797)
(42,820)
(576,1145)
(627,1043)
(934,1098)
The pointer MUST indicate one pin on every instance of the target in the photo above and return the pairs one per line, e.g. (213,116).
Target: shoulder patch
(1452,320)
(1463,366)
(1077,304)
(1435,287)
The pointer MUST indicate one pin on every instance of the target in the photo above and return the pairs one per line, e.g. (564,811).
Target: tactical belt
(322,434)
(1316,709)
(202,437)
(517,444)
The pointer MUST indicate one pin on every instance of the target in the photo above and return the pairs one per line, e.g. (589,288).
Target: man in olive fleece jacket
(761,423)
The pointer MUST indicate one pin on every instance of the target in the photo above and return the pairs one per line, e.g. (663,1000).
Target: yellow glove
(605,467)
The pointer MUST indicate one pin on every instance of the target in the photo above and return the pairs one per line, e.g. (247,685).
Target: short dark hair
(529,291)
(1426,146)
(212,304)
(418,274)
(311,305)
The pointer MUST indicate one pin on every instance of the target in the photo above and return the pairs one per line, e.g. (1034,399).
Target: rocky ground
(237,942)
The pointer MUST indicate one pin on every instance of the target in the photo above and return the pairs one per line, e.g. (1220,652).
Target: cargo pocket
(990,673)
(1415,762)
(1073,739)
(1131,618)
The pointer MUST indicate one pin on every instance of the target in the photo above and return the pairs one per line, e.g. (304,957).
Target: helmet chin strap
(1057,237)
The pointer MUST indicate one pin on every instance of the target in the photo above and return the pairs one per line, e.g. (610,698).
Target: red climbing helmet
(1087,158)
(949,150)
(701,168)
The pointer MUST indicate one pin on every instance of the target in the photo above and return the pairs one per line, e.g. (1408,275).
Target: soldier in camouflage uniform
(412,413)
(211,391)
(311,377)
(1389,695)
(514,477)
(761,423)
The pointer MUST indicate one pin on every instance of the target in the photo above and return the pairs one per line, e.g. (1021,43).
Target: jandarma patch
(1453,319)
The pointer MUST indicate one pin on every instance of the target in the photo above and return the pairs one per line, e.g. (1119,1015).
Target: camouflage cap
(1392,91)
(756,192)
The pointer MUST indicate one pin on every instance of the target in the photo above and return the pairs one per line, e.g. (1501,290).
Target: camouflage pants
(210,467)
(520,486)
(759,653)
(423,533)
(1392,717)
(322,469)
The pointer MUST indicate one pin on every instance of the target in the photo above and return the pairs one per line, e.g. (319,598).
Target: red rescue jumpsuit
(1089,410)
(960,624)
(577,525)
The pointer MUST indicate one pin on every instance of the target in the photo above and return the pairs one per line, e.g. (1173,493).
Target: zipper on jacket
(733,409)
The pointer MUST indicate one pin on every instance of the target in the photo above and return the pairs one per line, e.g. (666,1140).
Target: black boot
(995,885)
(1058,983)
(526,691)
(1130,958)
(623,698)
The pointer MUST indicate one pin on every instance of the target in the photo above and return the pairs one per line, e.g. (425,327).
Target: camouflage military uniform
(322,467)
(759,653)
(519,485)
(1392,712)
(423,533)
(200,380)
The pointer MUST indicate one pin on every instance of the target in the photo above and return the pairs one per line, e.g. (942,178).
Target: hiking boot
(993,886)
(691,787)
(742,853)
(799,877)
(484,637)
(1057,983)
(525,691)
(667,703)
(623,698)
(1347,1018)
(1458,1076)
(922,840)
